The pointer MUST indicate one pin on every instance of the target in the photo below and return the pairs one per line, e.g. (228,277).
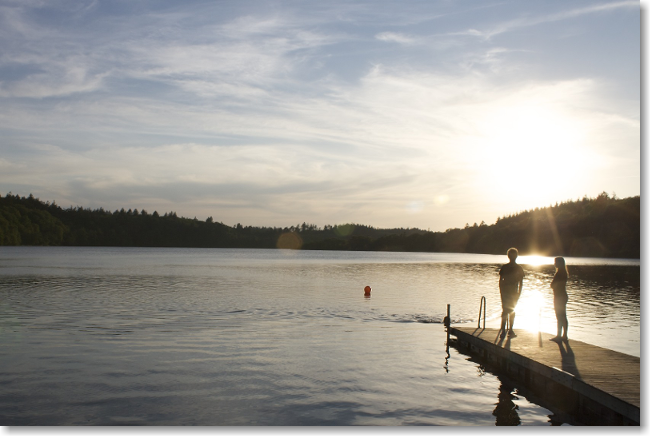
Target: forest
(604,226)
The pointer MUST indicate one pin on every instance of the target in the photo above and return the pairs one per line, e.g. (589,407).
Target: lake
(165,336)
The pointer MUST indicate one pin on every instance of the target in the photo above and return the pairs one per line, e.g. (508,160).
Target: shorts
(559,303)
(509,300)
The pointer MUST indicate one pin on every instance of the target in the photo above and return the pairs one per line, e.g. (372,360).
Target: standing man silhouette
(511,280)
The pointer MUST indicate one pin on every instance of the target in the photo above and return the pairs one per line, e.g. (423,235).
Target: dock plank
(611,372)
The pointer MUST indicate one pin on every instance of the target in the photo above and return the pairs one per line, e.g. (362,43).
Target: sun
(529,151)
(535,260)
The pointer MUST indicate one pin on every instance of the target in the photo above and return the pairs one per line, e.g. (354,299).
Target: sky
(428,114)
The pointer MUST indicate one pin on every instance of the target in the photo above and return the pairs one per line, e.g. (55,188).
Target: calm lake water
(134,336)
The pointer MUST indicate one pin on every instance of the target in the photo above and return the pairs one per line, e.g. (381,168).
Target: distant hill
(592,227)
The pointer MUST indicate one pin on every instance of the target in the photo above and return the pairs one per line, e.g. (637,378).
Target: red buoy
(367,290)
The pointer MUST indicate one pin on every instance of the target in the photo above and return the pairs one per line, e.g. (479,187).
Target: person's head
(513,253)
(560,263)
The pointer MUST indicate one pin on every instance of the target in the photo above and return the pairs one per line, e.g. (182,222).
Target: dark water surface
(106,336)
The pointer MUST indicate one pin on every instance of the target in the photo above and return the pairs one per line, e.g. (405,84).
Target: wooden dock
(599,385)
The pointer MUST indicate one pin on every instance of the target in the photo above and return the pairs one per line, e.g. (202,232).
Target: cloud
(535,20)
(58,61)
(54,83)
(395,37)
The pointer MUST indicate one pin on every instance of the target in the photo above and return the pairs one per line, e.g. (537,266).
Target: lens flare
(290,241)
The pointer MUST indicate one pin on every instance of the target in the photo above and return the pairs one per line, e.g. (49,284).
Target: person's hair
(560,265)
(513,253)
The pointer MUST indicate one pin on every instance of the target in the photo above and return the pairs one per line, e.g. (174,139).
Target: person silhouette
(511,281)
(506,409)
(560,298)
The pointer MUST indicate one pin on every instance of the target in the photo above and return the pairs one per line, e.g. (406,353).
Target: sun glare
(529,311)
(535,260)
(529,151)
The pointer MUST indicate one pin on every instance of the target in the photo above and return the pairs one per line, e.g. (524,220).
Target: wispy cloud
(527,21)
(395,37)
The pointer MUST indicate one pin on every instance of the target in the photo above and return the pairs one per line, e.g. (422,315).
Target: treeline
(596,227)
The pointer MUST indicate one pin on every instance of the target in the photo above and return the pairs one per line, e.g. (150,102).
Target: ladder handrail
(483,306)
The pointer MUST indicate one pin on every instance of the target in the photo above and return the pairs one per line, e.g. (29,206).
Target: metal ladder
(482,307)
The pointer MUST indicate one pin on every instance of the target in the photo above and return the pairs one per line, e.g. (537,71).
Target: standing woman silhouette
(560,298)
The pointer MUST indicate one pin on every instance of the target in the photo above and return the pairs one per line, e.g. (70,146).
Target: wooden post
(447,321)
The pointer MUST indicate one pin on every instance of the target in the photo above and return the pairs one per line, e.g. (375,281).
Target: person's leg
(558,317)
(504,313)
(512,303)
(512,324)
(564,321)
